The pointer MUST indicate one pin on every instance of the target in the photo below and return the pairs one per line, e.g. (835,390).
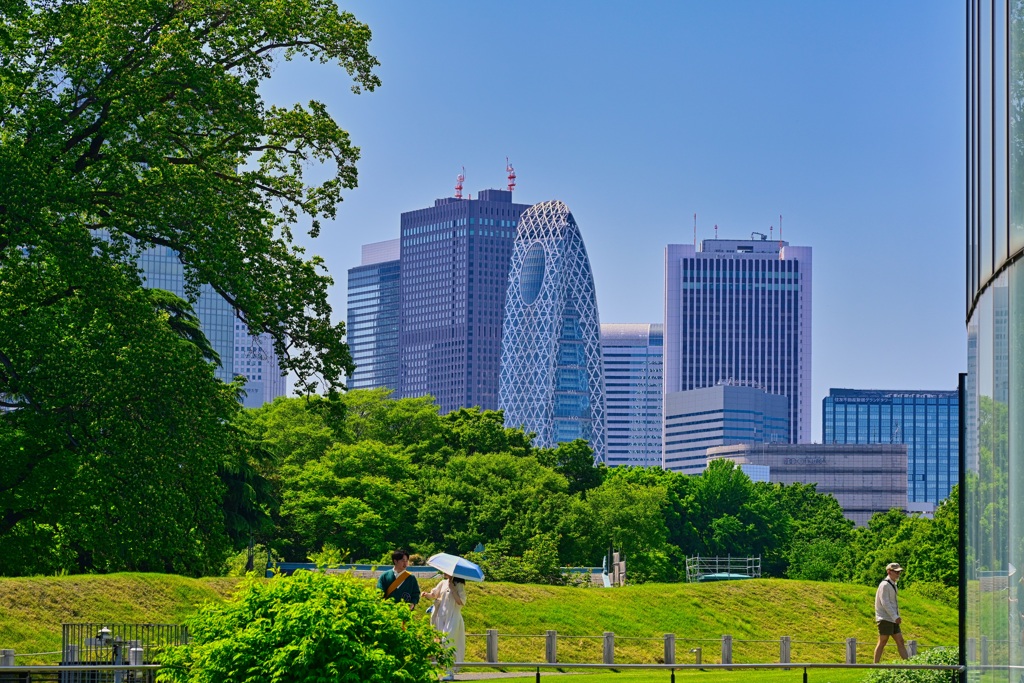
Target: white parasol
(456,566)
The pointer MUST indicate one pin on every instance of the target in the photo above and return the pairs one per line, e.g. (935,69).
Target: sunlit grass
(817,616)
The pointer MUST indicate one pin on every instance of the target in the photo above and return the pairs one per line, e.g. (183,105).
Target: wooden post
(726,649)
(785,650)
(609,648)
(551,647)
(851,650)
(6,657)
(912,648)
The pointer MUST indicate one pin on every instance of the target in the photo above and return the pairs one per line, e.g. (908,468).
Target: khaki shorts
(888,628)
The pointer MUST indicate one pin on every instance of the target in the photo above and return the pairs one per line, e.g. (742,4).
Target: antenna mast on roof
(780,237)
(511,175)
(716,231)
(695,231)
(458,183)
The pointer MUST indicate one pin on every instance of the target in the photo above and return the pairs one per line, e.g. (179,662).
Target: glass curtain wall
(994,400)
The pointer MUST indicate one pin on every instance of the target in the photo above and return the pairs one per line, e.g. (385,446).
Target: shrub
(938,655)
(306,628)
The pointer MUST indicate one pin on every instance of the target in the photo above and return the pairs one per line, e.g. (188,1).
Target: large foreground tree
(127,125)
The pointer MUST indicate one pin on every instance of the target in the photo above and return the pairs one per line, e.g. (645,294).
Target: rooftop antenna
(695,231)
(780,236)
(458,183)
(511,175)
(716,231)
(771,233)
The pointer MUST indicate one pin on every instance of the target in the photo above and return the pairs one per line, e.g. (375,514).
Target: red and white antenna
(511,175)
(458,183)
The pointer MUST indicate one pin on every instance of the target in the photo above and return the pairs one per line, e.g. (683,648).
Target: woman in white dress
(449,595)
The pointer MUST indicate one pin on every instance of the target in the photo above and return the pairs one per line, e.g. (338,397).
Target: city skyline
(848,121)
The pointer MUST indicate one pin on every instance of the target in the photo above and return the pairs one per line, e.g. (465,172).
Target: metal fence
(553,647)
(92,653)
(718,568)
(664,672)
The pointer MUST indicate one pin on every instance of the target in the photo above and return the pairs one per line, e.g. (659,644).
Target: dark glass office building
(994,386)
(928,422)
(454,272)
(372,323)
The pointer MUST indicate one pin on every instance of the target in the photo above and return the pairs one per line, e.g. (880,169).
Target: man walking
(887,612)
(397,583)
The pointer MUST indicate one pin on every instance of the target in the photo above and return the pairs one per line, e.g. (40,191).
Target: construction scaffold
(699,569)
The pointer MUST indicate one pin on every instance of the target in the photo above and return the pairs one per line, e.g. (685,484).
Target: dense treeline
(351,477)
(355,477)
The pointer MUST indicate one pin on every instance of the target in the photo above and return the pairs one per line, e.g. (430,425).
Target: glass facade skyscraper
(723,415)
(632,356)
(454,273)
(552,381)
(993,391)
(928,422)
(739,312)
(256,360)
(161,269)
(373,311)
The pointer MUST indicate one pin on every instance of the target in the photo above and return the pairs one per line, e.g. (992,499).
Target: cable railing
(145,673)
(553,647)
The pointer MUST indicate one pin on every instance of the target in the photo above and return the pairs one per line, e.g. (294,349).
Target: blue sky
(845,118)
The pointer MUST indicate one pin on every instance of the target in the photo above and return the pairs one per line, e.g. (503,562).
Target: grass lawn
(748,676)
(756,613)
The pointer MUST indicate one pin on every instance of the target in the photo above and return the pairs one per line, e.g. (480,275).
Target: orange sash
(396,583)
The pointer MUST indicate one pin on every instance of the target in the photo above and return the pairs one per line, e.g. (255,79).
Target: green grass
(755,676)
(748,676)
(32,610)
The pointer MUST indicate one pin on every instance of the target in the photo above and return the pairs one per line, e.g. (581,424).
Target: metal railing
(146,672)
(954,669)
(608,648)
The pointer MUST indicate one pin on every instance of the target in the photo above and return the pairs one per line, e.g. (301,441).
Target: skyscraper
(722,415)
(552,382)
(256,360)
(632,357)
(739,312)
(253,358)
(926,421)
(454,273)
(161,269)
(373,311)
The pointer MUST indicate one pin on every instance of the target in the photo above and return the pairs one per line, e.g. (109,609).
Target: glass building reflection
(994,385)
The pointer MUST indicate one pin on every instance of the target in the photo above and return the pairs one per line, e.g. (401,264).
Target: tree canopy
(126,126)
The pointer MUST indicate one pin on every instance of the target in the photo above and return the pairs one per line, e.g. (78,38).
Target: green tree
(489,497)
(110,461)
(114,111)
(574,460)
(628,517)
(732,516)
(123,126)
(305,628)
(356,497)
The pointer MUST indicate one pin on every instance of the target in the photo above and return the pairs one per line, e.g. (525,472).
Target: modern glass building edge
(992,639)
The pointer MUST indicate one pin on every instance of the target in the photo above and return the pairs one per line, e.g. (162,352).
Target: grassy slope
(32,609)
